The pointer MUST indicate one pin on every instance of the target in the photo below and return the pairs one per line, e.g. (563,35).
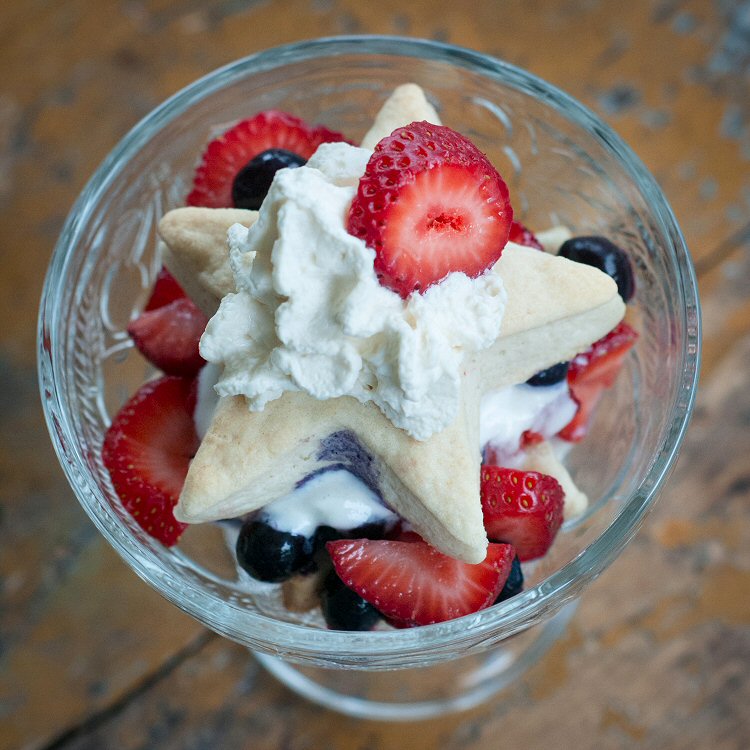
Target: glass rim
(495,623)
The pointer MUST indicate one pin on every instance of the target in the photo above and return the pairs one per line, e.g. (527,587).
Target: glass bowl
(562,165)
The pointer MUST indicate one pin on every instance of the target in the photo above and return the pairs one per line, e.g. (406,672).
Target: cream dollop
(310,315)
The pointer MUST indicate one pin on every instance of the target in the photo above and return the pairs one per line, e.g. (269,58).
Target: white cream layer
(506,414)
(310,314)
(333,498)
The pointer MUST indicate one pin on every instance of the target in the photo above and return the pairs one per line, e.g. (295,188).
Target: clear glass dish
(562,165)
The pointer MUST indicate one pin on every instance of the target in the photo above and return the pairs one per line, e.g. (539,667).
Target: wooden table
(658,653)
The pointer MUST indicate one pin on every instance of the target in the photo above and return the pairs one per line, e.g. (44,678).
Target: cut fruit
(522,508)
(592,372)
(147,451)
(226,156)
(166,290)
(522,235)
(169,336)
(412,583)
(430,203)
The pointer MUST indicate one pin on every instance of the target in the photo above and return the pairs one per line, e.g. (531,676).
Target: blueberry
(325,534)
(252,182)
(272,555)
(604,255)
(372,530)
(514,584)
(550,376)
(344,609)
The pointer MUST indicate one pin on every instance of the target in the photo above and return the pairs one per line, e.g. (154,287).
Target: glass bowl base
(424,692)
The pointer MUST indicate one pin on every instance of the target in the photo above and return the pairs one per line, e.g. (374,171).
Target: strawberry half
(168,337)
(147,451)
(402,533)
(226,155)
(430,203)
(523,508)
(522,235)
(412,583)
(592,372)
(166,290)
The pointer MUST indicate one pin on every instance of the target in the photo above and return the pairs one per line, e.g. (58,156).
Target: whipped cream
(333,498)
(506,414)
(310,315)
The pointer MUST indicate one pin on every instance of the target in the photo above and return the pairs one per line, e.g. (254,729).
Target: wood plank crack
(95,720)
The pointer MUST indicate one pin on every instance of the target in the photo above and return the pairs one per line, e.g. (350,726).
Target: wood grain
(658,651)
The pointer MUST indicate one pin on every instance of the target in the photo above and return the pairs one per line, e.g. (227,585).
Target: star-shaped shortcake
(554,309)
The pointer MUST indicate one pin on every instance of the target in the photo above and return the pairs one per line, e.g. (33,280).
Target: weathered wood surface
(658,653)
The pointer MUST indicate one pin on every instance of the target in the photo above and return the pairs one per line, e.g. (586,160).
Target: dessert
(364,324)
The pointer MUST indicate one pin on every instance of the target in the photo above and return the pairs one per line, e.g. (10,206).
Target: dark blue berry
(344,609)
(325,534)
(550,376)
(373,530)
(253,181)
(272,555)
(514,584)
(604,255)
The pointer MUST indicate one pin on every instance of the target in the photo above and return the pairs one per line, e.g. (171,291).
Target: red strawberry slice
(592,372)
(147,450)
(166,290)
(529,437)
(413,584)
(226,155)
(495,456)
(430,203)
(522,235)
(523,508)
(402,533)
(168,337)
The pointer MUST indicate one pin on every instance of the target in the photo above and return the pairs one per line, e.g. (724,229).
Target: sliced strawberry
(414,584)
(523,508)
(592,372)
(402,533)
(168,337)
(147,450)
(522,235)
(226,155)
(430,203)
(494,455)
(166,290)
(529,437)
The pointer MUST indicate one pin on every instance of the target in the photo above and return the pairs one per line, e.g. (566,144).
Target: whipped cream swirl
(310,315)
